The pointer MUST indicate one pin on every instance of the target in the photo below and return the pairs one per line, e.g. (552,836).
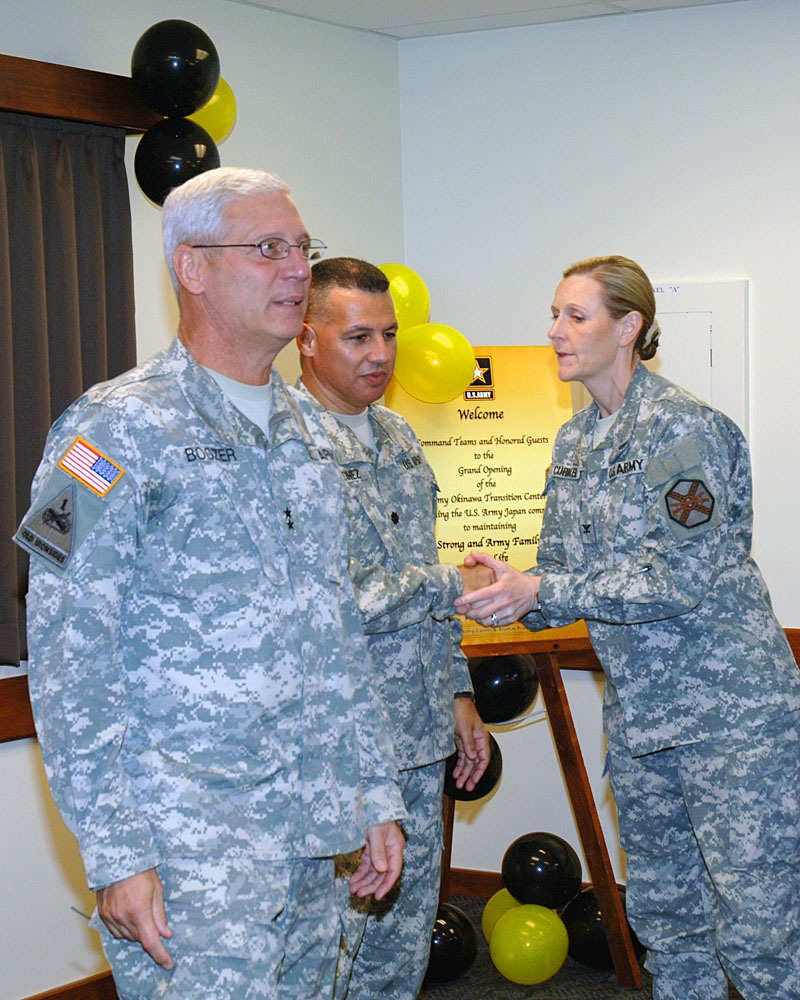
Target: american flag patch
(90,467)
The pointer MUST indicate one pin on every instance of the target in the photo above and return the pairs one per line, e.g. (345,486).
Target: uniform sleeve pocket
(682,457)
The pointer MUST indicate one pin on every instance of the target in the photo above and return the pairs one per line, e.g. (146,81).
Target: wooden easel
(554,651)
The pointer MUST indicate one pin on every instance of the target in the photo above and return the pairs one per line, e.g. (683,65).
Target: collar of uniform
(226,421)
(347,449)
(294,417)
(622,431)
(391,441)
(393,435)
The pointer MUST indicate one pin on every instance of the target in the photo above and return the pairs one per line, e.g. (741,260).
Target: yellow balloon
(412,302)
(219,115)
(501,902)
(435,363)
(529,944)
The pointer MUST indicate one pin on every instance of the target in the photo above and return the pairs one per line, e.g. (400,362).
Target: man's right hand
(133,909)
(475,577)
(381,861)
(509,599)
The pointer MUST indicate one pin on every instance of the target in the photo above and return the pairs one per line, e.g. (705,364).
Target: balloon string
(531,717)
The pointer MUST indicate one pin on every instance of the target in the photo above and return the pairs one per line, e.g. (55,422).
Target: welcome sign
(490,449)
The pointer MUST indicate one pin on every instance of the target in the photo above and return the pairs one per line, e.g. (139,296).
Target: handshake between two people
(494,592)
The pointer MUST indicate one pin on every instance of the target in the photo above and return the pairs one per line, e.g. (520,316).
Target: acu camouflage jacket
(198,673)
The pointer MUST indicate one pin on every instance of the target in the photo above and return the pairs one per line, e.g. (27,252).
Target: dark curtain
(66,305)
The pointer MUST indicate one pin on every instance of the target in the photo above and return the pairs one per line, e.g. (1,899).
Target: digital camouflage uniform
(201,686)
(647,536)
(406,597)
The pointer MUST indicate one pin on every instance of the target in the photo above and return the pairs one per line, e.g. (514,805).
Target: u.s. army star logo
(690,503)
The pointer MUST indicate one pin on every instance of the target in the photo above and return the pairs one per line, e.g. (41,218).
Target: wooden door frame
(30,87)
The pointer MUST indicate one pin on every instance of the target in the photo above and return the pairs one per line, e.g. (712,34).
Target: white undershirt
(254,401)
(602,427)
(360,425)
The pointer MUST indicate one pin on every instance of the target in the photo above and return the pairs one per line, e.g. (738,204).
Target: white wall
(316,104)
(672,137)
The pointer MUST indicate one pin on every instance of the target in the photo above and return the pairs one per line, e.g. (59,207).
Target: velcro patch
(90,467)
(689,503)
(49,532)
(565,471)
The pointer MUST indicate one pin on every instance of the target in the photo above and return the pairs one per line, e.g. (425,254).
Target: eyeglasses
(274,249)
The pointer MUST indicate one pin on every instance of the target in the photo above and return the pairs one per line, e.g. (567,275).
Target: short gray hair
(194,212)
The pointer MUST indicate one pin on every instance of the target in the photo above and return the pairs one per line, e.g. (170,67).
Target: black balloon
(169,153)
(542,868)
(175,68)
(505,686)
(487,781)
(454,945)
(588,943)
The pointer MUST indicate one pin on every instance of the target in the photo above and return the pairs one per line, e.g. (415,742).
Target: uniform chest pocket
(309,503)
(210,518)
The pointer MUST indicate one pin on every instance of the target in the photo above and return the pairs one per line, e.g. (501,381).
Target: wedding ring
(493,616)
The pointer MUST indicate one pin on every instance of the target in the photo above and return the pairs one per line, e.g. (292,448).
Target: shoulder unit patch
(690,503)
(49,532)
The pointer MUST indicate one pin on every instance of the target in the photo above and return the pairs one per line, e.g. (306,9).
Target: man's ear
(307,341)
(186,263)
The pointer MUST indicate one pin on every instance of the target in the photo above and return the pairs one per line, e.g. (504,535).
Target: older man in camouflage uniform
(406,600)
(198,674)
